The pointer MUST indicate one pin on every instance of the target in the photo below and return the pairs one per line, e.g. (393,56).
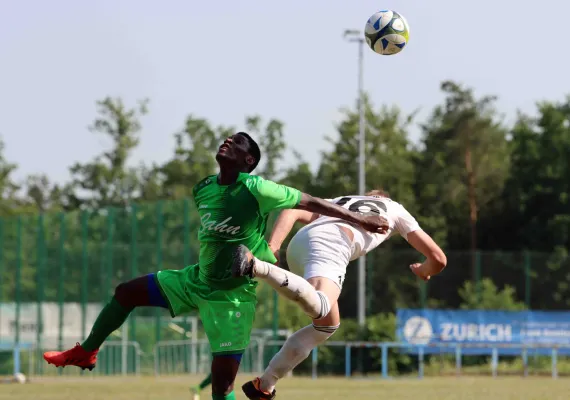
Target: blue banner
(478,331)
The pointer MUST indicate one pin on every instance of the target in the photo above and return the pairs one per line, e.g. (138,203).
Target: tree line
(495,196)
(473,181)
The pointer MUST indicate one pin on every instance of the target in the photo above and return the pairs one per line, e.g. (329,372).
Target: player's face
(234,150)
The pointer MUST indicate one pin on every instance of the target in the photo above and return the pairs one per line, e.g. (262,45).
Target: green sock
(110,319)
(231,396)
(205,382)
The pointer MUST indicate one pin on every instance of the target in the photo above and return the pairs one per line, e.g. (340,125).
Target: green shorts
(227,315)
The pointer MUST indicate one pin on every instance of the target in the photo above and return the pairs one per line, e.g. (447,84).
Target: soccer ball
(386,32)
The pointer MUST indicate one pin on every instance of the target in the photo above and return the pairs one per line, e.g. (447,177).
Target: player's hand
(419,270)
(276,252)
(375,223)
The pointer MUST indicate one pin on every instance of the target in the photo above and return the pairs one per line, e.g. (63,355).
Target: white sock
(314,303)
(297,348)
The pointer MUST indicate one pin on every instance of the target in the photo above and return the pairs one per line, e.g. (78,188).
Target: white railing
(193,356)
(447,348)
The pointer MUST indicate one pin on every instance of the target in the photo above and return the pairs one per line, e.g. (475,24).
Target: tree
(486,296)
(8,188)
(538,191)
(537,200)
(41,194)
(194,158)
(389,156)
(271,143)
(107,180)
(299,175)
(463,166)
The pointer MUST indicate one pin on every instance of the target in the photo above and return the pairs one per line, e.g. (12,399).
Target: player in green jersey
(196,390)
(233,207)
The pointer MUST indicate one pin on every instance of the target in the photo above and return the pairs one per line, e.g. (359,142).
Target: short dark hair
(254,150)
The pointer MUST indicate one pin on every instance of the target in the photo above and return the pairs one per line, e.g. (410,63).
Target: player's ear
(249,160)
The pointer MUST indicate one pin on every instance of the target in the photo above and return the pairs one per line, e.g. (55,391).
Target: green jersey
(236,214)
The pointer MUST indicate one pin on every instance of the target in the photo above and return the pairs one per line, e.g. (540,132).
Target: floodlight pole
(353,35)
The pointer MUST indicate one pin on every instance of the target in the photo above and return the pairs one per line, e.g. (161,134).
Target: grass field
(176,388)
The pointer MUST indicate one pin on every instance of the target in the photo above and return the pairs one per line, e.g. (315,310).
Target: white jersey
(399,219)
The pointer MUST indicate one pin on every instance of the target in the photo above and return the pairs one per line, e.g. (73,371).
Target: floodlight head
(351,32)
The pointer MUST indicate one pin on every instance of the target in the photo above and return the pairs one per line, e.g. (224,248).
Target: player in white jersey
(323,248)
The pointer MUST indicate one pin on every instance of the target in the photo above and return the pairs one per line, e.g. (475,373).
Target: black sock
(110,319)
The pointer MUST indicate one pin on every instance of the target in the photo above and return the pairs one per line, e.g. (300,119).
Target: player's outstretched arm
(272,196)
(435,257)
(320,206)
(285,223)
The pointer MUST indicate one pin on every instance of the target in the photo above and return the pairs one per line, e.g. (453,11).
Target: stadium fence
(57,270)
(193,357)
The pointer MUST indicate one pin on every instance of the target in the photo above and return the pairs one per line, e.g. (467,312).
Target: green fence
(57,270)
(481,279)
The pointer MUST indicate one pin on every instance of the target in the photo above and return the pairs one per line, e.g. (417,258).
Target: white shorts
(321,250)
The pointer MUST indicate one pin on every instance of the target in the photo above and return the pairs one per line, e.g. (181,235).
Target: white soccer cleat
(195,393)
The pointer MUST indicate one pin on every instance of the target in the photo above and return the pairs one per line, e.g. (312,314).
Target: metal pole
(356,36)
(361,181)
(124,348)
(353,35)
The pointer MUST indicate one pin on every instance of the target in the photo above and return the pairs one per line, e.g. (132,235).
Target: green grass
(176,388)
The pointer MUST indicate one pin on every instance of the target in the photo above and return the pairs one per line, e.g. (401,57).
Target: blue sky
(226,59)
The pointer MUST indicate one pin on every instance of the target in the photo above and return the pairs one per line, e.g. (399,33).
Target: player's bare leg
(314,302)
(224,371)
(298,346)
(138,292)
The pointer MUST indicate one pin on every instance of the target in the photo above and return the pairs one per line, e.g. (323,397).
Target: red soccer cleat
(76,356)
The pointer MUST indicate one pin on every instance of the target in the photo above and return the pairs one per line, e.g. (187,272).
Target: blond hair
(378,193)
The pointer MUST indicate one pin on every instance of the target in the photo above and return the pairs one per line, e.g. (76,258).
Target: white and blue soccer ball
(387,32)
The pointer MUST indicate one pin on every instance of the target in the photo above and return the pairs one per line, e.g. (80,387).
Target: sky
(223,60)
